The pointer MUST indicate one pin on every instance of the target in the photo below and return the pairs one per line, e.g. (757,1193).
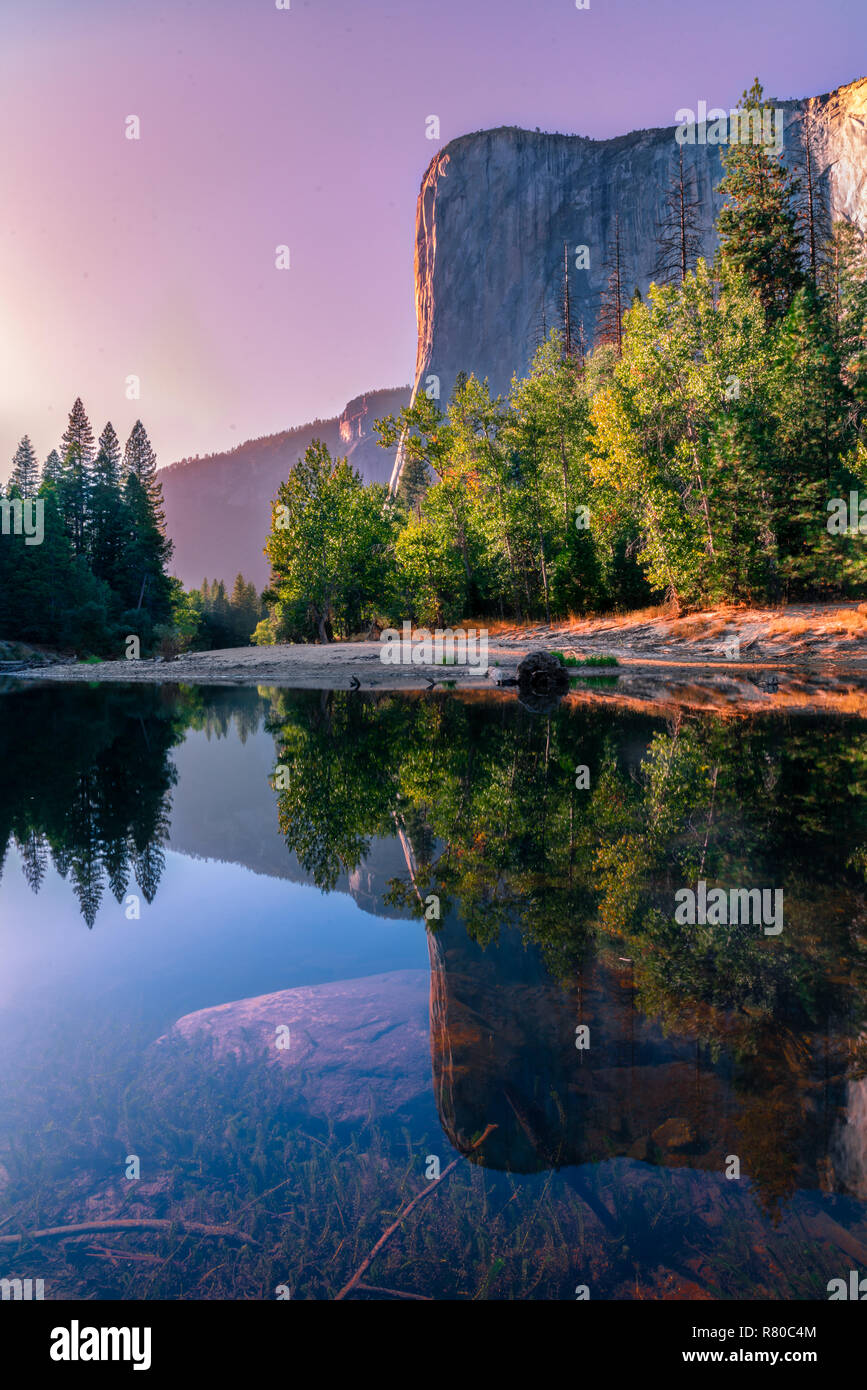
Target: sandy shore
(799,658)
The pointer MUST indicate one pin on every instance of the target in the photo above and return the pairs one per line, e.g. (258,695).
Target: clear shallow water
(188,908)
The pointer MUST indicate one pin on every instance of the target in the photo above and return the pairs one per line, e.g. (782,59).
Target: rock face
(496,208)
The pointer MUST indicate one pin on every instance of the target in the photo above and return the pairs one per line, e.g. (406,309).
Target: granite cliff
(494,212)
(496,207)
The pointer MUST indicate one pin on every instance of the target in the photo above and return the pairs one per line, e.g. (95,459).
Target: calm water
(272,960)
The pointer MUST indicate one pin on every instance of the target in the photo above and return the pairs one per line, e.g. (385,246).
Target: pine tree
(844,282)
(140,460)
(75,479)
(34,858)
(147,550)
(107,464)
(810,402)
(814,212)
(25,470)
(679,239)
(758,227)
(52,468)
(77,439)
(414,483)
(108,523)
(145,584)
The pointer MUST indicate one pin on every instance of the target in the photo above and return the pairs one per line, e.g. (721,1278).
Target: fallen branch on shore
(426,1192)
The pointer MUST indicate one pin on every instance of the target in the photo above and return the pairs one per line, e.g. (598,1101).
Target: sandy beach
(802,657)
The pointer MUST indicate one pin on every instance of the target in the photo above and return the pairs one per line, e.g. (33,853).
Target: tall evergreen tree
(843,281)
(815,210)
(25,470)
(108,521)
(145,584)
(759,229)
(52,468)
(108,458)
(75,480)
(140,461)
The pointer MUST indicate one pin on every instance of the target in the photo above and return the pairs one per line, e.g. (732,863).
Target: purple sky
(306,127)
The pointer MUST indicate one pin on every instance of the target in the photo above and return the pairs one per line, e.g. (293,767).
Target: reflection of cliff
(503,1036)
(502,1028)
(502,1051)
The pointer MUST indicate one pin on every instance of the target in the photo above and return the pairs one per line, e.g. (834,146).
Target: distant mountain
(218,508)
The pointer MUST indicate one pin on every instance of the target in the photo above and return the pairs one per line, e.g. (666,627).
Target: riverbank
(800,657)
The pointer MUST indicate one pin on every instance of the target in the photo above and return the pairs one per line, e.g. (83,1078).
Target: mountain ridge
(217,505)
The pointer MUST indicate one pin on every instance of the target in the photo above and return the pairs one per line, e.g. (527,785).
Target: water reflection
(540,854)
(704,1041)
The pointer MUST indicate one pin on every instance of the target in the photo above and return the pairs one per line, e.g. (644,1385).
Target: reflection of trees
(216,709)
(487,798)
(337,755)
(86,780)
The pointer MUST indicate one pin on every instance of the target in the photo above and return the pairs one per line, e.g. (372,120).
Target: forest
(708,447)
(697,452)
(98,572)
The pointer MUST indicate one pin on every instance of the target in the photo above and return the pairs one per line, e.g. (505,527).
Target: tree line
(691,455)
(98,571)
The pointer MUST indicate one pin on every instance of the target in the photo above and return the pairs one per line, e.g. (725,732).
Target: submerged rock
(348,1049)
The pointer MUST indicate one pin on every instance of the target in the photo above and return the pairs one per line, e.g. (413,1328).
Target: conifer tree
(140,460)
(814,212)
(843,281)
(52,468)
(108,522)
(25,470)
(108,459)
(75,479)
(145,584)
(759,229)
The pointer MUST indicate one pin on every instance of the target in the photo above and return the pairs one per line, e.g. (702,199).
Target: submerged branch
(83,1228)
(427,1192)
